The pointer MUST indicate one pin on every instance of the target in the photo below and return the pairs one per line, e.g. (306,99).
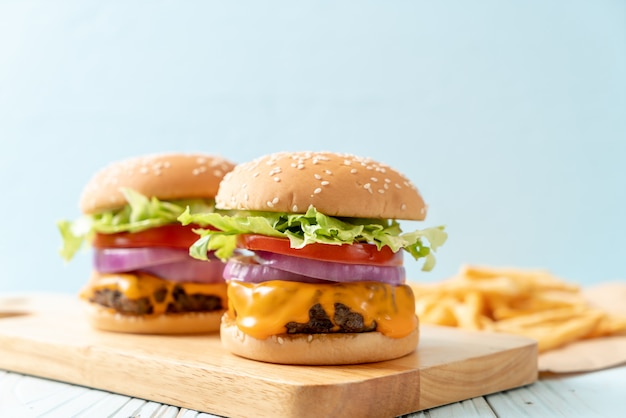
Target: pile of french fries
(527,302)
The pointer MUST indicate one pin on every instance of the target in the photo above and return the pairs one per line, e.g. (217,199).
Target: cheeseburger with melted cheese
(322,281)
(143,278)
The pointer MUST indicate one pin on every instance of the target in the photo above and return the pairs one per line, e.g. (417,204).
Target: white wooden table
(595,394)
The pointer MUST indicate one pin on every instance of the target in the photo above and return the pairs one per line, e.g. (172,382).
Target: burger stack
(143,278)
(311,251)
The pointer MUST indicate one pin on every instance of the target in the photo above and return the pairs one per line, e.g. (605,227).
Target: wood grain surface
(46,335)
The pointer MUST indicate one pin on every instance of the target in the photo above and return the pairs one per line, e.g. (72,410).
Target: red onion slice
(336,272)
(167,263)
(116,260)
(191,270)
(246,269)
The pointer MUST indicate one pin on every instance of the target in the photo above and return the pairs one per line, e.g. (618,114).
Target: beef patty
(321,323)
(181,301)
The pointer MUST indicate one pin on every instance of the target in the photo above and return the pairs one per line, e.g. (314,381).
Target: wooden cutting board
(47,336)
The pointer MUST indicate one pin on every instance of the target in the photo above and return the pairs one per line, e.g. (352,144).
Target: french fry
(468,314)
(527,302)
(539,279)
(609,325)
(438,314)
(536,302)
(553,328)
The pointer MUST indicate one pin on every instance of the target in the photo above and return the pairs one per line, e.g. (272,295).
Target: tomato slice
(358,253)
(172,235)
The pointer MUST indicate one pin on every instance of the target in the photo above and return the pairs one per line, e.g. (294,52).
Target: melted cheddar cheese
(262,309)
(143,285)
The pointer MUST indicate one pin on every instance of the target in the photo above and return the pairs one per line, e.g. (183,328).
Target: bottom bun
(104,318)
(316,349)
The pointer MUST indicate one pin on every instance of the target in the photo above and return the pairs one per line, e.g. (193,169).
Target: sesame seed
(397,186)
(309,338)
(275,200)
(280,340)
(277,179)
(374,179)
(347,162)
(195,171)
(294,208)
(368,187)
(143,170)
(256,174)
(381,191)
(201,160)
(318,190)
(328,172)
(300,166)
(270,204)
(354,171)
(317,176)
(387,180)
(403,206)
(325,183)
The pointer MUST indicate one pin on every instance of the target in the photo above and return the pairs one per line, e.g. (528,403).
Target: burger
(319,278)
(143,278)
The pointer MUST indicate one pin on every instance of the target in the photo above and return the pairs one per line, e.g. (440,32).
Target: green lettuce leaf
(139,214)
(311,227)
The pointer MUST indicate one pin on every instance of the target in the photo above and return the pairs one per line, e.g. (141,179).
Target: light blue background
(509,116)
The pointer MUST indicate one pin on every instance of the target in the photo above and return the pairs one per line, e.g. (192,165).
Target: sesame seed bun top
(167,176)
(335,184)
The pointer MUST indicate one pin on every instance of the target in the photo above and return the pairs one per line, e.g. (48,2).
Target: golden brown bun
(183,323)
(167,176)
(335,184)
(316,349)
